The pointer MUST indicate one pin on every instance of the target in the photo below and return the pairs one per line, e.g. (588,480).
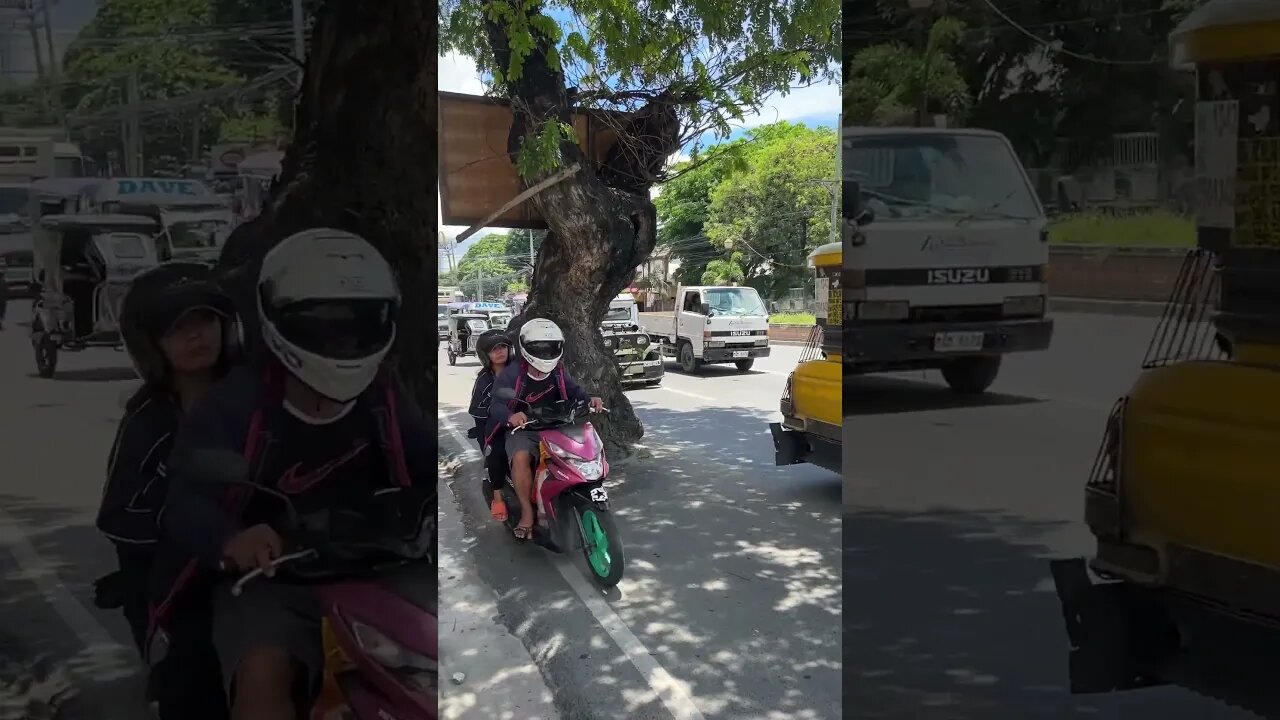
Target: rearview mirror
(704,309)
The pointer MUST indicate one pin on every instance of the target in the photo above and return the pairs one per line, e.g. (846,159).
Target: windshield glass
(68,167)
(913,176)
(499,320)
(734,301)
(618,314)
(15,201)
(442,311)
(192,234)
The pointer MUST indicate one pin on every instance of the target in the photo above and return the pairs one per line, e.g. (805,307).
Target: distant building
(17,57)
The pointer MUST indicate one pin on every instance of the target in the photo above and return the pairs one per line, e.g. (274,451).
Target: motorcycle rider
(538,379)
(325,424)
(493,347)
(182,334)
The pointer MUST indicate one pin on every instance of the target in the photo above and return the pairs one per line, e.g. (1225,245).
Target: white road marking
(686,393)
(96,638)
(672,692)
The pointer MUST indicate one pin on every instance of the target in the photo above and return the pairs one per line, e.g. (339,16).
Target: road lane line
(673,693)
(664,386)
(96,637)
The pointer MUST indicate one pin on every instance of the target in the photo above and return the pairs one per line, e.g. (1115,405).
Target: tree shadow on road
(951,615)
(733,573)
(879,395)
(74,554)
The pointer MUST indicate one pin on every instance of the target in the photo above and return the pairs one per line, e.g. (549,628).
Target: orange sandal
(498,510)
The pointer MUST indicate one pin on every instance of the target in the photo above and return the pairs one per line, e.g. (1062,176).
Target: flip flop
(522,533)
(498,510)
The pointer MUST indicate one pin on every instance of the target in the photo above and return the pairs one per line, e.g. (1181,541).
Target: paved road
(951,516)
(54,439)
(731,604)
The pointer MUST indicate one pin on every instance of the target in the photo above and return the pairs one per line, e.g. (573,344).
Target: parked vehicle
(950,268)
(442,322)
(82,267)
(812,403)
(639,360)
(570,502)
(711,324)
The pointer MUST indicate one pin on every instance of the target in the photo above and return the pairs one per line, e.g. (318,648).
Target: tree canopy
(754,210)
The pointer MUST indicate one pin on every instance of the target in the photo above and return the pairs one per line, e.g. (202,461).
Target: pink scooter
(570,504)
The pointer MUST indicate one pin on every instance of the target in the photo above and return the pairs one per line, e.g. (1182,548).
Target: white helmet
(327,301)
(541,344)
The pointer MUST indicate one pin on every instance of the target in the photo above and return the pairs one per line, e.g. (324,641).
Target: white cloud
(815,102)
(458,73)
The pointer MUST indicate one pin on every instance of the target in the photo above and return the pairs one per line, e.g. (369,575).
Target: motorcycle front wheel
(601,544)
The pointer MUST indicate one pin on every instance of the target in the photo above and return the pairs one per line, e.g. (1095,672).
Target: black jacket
(136,469)
(481,395)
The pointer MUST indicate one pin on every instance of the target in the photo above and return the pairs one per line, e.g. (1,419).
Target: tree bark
(363,159)
(597,236)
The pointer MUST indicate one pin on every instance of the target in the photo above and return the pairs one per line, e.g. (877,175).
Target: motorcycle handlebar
(238,587)
(564,420)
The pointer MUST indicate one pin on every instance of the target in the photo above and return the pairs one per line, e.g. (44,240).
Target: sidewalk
(500,679)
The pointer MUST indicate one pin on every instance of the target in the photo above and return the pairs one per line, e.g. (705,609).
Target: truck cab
(712,324)
(947,257)
(639,360)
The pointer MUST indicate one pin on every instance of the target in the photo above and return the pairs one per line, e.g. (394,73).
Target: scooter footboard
(1120,634)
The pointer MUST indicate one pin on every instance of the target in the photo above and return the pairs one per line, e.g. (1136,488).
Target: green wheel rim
(597,544)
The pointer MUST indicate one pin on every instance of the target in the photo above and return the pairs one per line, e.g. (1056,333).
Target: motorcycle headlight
(590,469)
(390,654)
(642,340)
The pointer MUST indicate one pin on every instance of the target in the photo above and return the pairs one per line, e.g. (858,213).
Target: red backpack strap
(399,464)
(564,393)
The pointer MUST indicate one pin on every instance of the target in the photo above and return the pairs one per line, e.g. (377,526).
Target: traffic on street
(730,606)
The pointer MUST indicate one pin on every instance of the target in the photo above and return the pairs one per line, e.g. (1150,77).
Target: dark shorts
(269,614)
(518,441)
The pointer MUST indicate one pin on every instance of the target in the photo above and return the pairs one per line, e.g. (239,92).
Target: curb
(1129,308)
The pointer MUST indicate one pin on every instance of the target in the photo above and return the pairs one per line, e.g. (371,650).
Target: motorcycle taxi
(81,268)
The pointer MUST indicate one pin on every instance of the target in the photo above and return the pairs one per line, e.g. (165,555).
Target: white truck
(711,324)
(29,154)
(946,253)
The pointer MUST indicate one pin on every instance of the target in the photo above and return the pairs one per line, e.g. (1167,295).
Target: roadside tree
(674,73)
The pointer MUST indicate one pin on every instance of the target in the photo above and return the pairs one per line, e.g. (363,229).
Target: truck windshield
(916,175)
(618,314)
(198,233)
(68,166)
(442,312)
(734,301)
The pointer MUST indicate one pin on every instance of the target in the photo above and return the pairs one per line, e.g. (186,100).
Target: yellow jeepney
(1184,496)
(812,403)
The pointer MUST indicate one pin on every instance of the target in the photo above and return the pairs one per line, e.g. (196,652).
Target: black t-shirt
(538,393)
(337,465)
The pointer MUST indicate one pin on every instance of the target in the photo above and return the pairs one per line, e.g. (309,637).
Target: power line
(1055,48)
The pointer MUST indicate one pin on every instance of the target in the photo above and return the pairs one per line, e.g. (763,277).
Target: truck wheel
(972,375)
(745,365)
(688,362)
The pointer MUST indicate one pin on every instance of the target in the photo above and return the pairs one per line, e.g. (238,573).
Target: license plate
(740,353)
(957,341)
(635,370)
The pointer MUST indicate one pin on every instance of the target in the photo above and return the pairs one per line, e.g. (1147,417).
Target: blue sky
(814,106)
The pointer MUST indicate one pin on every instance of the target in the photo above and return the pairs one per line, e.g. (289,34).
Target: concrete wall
(1114,273)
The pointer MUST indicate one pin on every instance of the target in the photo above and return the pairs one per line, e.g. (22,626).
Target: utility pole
(55,89)
(35,40)
(133,145)
(479,287)
(530,251)
(299,37)
(195,139)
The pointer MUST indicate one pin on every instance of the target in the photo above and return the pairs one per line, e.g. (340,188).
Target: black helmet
(488,340)
(157,299)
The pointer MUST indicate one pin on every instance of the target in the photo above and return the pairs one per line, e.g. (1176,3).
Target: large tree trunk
(597,237)
(363,159)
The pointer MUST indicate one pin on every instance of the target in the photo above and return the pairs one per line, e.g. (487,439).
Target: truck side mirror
(704,309)
(865,217)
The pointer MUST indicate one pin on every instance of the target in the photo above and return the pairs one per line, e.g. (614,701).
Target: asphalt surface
(730,607)
(951,515)
(55,435)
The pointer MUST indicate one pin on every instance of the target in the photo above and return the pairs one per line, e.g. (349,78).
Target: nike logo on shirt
(293,483)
